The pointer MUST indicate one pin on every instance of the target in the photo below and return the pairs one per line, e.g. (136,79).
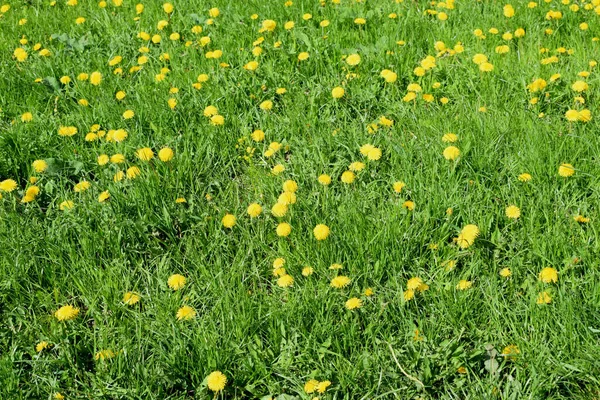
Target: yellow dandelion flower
(311,386)
(185,313)
(41,346)
(176,281)
(543,298)
(464,284)
(321,232)
(505,272)
(513,212)
(340,281)
(348,177)
(216,381)
(451,153)
(353,59)
(353,303)
(324,179)
(67,130)
(285,281)
(66,313)
(524,177)
(254,210)
(165,154)
(131,298)
(228,221)
(284,229)
(467,236)
(548,275)
(566,170)
(338,92)
(104,196)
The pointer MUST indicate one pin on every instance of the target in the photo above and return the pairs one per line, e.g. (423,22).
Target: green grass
(269,341)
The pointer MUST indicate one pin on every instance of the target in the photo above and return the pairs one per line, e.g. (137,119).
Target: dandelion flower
(41,346)
(374,154)
(251,66)
(543,298)
(340,281)
(254,210)
(216,381)
(581,219)
(287,198)
(311,386)
(210,111)
(176,281)
(467,236)
(279,210)
(285,281)
(449,138)
(217,120)
(348,177)
(303,56)
(39,165)
(95,78)
(398,186)
(284,229)
(8,185)
(513,212)
(20,54)
(505,272)
(353,59)
(510,352)
(572,115)
(353,303)
(524,177)
(410,96)
(131,298)
(480,59)
(27,117)
(414,283)
(356,166)
(165,154)
(133,172)
(324,179)
(66,205)
(321,232)
(338,92)
(258,135)
(104,355)
(323,386)
(103,196)
(580,86)
(185,313)
(451,153)
(228,221)
(268,25)
(566,170)
(82,186)
(67,131)
(548,275)
(66,313)
(464,284)
(266,105)
(409,205)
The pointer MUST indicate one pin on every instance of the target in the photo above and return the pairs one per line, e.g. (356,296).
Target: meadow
(302,199)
